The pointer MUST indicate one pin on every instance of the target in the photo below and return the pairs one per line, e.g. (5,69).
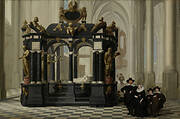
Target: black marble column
(33,80)
(97,66)
(58,65)
(75,66)
(45,66)
(94,66)
(38,66)
(52,68)
(70,66)
(101,65)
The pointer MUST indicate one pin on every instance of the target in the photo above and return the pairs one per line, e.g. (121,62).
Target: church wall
(16,12)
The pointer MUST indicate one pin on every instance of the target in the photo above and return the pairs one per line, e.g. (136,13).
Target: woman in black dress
(140,103)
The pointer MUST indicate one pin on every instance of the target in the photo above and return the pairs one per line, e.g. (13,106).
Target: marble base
(170,84)
(149,81)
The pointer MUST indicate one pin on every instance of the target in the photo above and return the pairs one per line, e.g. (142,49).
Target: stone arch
(55,41)
(102,9)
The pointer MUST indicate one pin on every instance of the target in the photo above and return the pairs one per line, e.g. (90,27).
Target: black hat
(150,89)
(157,87)
(129,80)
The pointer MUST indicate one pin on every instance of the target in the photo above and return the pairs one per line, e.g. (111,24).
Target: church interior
(64,59)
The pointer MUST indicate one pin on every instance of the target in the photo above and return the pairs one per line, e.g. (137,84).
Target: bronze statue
(99,25)
(82,28)
(108,58)
(84,14)
(25,28)
(37,25)
(58,27)
(71,29)
(110,29)
(25,62)
(72,5)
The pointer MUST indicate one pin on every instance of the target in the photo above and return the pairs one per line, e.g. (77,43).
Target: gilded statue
(36,24)
(110,29)
(72,5)
(58,27)
(83,14)
(25,62)
(99,25)
(108,59)
(82,27)
(25,28)
(71,29)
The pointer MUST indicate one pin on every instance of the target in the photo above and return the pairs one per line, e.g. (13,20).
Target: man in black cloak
(129,91)
(140,103)
(149,100)
(158,101)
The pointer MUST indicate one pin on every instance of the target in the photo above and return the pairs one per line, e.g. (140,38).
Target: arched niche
(58,62)
(84,63)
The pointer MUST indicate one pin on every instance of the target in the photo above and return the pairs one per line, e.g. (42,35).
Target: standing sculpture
(108,60)
(25,62)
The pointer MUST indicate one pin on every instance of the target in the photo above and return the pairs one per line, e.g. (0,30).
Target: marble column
(75,66)
(101,65)
(38,67)
(94,66)
(45,71)
(71,66)
(2,23)
(170,76)
(149,75)
(32,67)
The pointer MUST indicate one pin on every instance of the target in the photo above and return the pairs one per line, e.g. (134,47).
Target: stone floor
(12,109)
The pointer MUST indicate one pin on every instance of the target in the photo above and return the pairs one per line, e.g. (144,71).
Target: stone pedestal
(150,80)
(170,75)
(170,84)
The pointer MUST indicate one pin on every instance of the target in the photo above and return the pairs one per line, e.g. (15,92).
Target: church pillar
(2,23)
(150,75)
(170,77)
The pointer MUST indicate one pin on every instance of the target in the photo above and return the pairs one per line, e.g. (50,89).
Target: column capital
(39,51)
(70,53)
(100,51)
(32,51)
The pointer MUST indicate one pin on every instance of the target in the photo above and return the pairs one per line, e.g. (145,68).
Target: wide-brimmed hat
(130,79)
(157,87)
(150,89)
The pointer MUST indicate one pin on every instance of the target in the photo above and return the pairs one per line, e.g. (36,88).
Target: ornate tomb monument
(42,84)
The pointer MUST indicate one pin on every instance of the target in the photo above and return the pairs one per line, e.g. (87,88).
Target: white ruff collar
(140,90)
(130,84)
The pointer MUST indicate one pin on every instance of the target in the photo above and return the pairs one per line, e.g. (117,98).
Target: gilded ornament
(58,27)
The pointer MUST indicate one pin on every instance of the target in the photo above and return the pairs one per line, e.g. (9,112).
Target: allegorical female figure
(25,62)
